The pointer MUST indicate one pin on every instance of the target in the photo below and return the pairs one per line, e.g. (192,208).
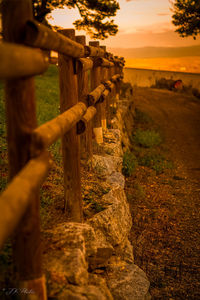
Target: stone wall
(94,260)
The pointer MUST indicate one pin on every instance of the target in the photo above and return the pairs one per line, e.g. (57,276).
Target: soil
(165,207)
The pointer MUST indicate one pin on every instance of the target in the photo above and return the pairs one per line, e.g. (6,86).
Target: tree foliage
(187,17)
(94,14)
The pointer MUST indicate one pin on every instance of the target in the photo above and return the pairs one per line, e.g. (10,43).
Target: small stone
(128,281)
(116,179)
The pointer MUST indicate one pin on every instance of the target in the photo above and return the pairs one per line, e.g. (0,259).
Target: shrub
(129,163)
(147,138)
(155,161)
(142,117)
(164,83)
(196,93)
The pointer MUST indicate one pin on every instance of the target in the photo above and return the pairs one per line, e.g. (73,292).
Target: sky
(141,23)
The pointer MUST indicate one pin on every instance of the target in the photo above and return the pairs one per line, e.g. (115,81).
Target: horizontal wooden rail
(88,116)
(116,78)
(15,199)
(18,61)
(94,51)
(48,133)
(94,96)
(100,61)
(40,36)
(108,90)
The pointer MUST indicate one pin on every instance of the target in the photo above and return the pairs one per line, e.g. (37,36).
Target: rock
(101,284)
(114,222)
(73,235)
(117,134)
(128,282)
(112,136)
(106,165)
(104,252)
(89,292)
(114,149)
(125,251)
(116,179)
(65,267)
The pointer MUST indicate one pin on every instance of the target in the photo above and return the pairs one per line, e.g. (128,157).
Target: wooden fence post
(21,120)
(70,141)
(113,72)
(109,99)
(95,81)
(83,89)
(104,77)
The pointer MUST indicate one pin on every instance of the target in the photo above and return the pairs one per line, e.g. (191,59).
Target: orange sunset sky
(141,23)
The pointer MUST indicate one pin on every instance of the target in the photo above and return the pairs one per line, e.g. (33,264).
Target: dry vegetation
(189,64)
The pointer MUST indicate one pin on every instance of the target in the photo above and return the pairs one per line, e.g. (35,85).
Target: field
(190,64)
(47,102)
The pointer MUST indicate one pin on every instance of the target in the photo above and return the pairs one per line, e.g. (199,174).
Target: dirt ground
(165,232)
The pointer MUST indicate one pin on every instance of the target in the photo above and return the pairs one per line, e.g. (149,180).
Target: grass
(155,161)
(47,94)
(146,147)
(147,138)
(142,118)
(129,163)
(47,103)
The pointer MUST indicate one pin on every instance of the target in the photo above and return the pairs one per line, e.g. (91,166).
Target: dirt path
(179,118)
(166,221)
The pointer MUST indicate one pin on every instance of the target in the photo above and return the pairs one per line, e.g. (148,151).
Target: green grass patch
(147,148)
(129,163)
(142,117)
(155,161)
(47,95)
(147,138)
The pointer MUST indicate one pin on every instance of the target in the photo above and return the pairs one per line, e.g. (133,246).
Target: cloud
(163,14)
(151,28)
(143,39)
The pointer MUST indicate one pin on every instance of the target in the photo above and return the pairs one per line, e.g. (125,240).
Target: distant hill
(150,52)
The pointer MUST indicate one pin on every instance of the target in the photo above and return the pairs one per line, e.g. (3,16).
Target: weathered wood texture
(88,116)
(21,120)
(48,133)
(70,141)
(16,198)
(19,61)
(95,82)
(104,76)
(85,64)
(38,35)
(94,96)
(94,50)
(100,61)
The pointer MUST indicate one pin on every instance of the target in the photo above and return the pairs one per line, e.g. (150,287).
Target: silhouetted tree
(95,14)
(187,17)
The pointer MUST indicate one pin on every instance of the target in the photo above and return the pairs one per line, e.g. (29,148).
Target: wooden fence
(24,53)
